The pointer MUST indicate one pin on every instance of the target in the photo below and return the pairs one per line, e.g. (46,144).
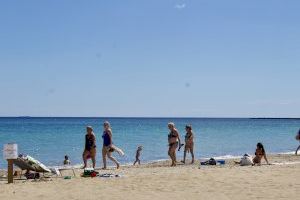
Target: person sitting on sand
(173,140)
(189,143)
(90,147)
(137,155)
(298,138)
(259,154)
(67,161)
(107,148)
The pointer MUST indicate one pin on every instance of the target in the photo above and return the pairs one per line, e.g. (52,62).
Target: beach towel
(117,149)
(109,175)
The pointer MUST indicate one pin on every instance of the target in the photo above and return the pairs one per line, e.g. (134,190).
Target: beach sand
(158,181)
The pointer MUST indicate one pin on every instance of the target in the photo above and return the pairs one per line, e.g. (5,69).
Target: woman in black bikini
(174,140)
(259,154)
(189,143)
(90,147)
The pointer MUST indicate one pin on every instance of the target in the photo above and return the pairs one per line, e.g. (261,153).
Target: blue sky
(198,58)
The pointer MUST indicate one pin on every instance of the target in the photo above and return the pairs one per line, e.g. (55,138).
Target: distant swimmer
(138,155)
(259,154)
(298,138)
(189,143)
(174,142)
(67,160)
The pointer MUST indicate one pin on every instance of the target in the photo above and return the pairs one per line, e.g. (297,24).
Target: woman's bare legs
(113,159)
(173,154)
(104,152)
(192,153)
(184,156)
(84,158)
(93,156)
(297,150)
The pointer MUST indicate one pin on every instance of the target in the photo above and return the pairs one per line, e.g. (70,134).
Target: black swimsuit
(172,135)
(89,142)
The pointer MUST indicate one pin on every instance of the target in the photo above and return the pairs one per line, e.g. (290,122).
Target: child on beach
(67,161)
(137,155)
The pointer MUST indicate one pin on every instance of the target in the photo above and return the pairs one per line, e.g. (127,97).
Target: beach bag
(246,160)
(211,161)
(89,172)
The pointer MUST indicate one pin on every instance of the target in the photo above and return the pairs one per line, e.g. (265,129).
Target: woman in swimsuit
(189,143)
(173,139)
(90,147)
(259,154)
(107,148)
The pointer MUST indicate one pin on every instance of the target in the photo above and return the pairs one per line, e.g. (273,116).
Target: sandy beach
(157,180)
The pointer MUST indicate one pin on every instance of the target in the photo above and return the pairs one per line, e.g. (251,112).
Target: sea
(49,139)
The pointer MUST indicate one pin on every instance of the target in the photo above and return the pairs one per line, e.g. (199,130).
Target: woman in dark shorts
(173,140)
(108,148)
(90,147)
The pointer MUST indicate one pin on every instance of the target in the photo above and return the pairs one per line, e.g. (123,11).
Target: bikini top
(172,135)
(259,152)
(188,135)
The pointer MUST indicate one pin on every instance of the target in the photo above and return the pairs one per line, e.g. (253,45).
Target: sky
(158,58)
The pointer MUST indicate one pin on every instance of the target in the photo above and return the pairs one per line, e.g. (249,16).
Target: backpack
(212,161)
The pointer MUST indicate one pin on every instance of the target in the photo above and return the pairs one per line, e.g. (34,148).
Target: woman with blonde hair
(108,146)
(174,141)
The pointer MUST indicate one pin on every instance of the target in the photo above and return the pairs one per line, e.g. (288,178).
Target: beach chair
(28,163)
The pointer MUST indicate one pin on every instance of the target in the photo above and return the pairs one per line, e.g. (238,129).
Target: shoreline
(224,157)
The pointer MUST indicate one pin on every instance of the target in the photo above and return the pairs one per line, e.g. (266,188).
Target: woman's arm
(94,140)
(178,137)
(110,137)
(265,157)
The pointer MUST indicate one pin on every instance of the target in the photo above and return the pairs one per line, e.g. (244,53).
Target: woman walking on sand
(108,147)
(189,143)
(174,140)
(90,147)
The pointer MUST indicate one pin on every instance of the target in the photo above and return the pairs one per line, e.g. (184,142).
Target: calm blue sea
(49,139)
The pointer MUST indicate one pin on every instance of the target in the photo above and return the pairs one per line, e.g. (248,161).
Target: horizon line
(162,117)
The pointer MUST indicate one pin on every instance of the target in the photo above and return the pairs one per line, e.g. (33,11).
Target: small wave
(288,153)
(286,163)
